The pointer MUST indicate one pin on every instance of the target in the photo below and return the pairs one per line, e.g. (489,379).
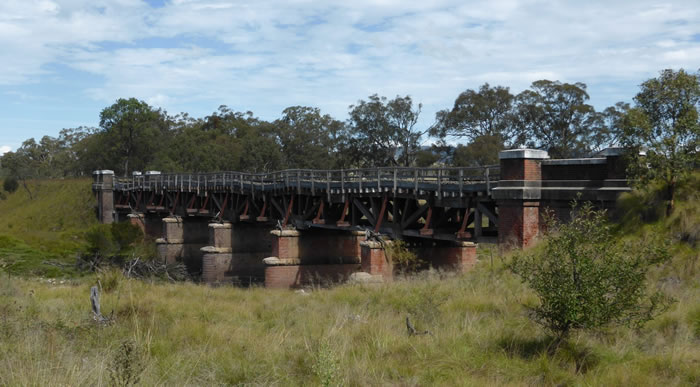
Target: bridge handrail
(380,177)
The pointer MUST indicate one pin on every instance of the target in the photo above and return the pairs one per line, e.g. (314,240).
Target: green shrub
(585,280)
(127,365)
(401,257)
(109,243)
(126,235)
(10,184)
(326,366)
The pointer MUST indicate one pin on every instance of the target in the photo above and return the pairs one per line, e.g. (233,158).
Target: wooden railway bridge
(290,227)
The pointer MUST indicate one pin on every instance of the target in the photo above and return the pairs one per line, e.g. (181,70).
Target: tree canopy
(663,129)
(487,112)
(549,115)
(383,132)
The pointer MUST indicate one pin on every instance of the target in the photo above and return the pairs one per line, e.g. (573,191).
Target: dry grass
(349,335)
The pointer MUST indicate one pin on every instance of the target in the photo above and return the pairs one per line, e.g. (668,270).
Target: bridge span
(292,227)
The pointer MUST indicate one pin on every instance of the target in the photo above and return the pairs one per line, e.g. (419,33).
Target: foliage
(109,243)
(665,123)
(127,365)
(556,118)
(131,131)
(488,112)
(383,132)
(198,335)
(10,184)
(326,364)
(584,280)
(401,257)
(482,151)
(309,139)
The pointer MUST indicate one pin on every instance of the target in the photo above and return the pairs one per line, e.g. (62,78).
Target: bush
(10,184)
(585,280)
(109,244)
(401,257)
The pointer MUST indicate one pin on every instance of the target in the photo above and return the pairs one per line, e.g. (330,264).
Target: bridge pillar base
(235,253)
(518,197)
(317,246)
(518,223)
(150,225)
(103,186)
(374,260)
(181,241)
(459,256)
(281,274)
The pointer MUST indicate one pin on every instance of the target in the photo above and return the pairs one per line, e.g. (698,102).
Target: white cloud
(4,149)
(267,55)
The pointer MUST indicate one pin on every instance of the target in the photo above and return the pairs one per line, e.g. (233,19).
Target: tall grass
(348,335)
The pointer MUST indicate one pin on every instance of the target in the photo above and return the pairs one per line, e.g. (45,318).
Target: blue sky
(62,61)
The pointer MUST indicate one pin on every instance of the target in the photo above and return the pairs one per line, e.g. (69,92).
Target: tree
(480,152)
(131,132)
(20,166)
(309,139)
(665,123)
(613,119)
(556,118)
(487,112)
(383,132)
(585,280)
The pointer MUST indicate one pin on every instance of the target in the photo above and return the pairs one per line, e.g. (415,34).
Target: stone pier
(312,257)
(103,187)
(454,256)
(235,253)
(150,225)
(518,196)
(182,241)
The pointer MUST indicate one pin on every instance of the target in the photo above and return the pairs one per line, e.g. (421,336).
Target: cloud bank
(186,55)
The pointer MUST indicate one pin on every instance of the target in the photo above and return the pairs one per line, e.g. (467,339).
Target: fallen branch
(412,331)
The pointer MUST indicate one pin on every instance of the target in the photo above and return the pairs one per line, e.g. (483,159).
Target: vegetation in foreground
(181,333)
(350,335)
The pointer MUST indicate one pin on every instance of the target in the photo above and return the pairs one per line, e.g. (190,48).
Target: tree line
(549,115)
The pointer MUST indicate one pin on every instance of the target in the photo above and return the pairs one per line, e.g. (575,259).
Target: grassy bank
(40,235)
(350,335)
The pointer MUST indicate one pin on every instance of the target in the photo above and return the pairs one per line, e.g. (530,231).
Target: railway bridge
(293,227)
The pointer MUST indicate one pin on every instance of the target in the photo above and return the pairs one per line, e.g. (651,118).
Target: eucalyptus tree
(488,112)
(309,139)
(383,132)
(665,123)
(555,117)
(132,132)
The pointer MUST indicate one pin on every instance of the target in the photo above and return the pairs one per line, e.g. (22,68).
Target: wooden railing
(445,179)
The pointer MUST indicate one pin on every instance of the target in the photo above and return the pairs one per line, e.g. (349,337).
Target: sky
(63,61)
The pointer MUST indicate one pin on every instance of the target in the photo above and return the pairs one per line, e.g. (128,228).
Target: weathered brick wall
(574,172)
(374,260)
(460,256)
(519,169)
(293,276)
(518,223)
(318,246)
(236,253)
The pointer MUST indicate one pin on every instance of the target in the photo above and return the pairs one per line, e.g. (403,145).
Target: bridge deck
(447,181)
